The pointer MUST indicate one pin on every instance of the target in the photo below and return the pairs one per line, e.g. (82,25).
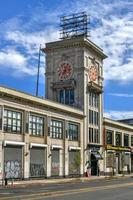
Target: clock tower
(74,76)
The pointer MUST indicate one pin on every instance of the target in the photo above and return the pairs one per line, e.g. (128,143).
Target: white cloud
(16,61)
(115,37)
(121,95)
(22,39)
(12,59)
(112,31)
(114,114)
(33,39)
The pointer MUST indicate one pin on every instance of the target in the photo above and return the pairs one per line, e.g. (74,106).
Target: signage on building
(109,147)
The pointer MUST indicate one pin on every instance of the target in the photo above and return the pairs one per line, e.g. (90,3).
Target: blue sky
(26,24)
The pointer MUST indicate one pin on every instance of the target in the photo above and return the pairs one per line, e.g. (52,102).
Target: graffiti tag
(12,169)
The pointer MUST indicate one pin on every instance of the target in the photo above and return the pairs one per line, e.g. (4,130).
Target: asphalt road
(116,189)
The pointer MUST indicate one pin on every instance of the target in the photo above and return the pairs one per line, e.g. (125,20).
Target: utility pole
(38,70)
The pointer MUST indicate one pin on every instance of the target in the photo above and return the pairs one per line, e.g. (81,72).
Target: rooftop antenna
(74,25)
(38,70)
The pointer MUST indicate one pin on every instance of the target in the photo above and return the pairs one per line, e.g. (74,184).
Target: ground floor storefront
(94,160)
(42,161)
(117,160)
(38,161)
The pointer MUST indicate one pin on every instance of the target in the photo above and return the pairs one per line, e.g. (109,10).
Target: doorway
(94,165)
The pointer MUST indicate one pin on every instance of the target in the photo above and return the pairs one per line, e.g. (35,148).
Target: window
(131,140)
(56,129)
(36,125)
(118,139)
(73,131)
(93,117)
(12,121)
(93,99)
(126,140)
(90,116)
(94,135)
(66,96)
(109,137)
(61,96)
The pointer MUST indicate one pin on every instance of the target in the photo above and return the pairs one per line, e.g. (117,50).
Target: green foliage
(77,159)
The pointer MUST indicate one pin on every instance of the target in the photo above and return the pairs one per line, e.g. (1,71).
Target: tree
(77,161)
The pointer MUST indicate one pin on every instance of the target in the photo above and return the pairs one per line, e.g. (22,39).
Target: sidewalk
(60,180)
(51,181)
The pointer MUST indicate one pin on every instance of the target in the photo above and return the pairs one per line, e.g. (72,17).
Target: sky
(27,24)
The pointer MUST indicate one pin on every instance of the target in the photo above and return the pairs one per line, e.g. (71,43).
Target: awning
(7,142)
(97,155)
(74,148)
(56,147)
(38,145)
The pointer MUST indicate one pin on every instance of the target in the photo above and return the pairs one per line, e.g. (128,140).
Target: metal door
(37,162)
(13,162)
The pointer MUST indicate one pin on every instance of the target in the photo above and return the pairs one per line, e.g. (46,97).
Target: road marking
(83,190)
(5,193)
(38,196)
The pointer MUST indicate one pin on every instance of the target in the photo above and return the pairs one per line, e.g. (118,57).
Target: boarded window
(110,160)
(55,163)
(74,162)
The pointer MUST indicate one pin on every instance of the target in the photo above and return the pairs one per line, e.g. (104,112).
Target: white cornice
(76,42)
(37,100)
(116,123)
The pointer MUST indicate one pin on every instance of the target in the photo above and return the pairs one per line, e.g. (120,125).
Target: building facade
(38,138)
(118,147)
(64,134)
(74,76)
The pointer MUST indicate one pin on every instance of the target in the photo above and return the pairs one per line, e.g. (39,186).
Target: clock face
(64,71)
(93,73)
